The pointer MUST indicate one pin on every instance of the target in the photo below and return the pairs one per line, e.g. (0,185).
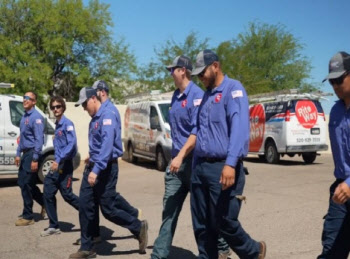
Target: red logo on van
(257,127)
(306,113)
(218,98)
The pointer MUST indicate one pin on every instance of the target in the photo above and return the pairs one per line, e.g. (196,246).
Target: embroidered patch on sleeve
(70,128)
(237,93)
(38,121)
(197,102)
(107,122)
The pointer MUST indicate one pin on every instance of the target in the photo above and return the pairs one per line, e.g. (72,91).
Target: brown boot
(43,212)
(262,252)
(83,254)
(143,237)
(24,222)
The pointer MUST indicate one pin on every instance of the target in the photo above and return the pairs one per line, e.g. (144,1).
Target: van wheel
(45,167)
(271,154)
(131,157)
(160,161)
(309,158)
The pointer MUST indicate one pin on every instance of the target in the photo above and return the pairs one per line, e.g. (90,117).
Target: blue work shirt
(118,146)
(183,115)
(223,123)
(65,141)
(339,134)
(102,130)
(31,133)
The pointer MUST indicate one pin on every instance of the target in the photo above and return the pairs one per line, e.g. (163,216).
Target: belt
(26,150)
(213,159)
(114,161)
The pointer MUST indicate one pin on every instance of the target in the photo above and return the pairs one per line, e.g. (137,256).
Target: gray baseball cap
(84,94)
(181,61)
(204,59)
(100,85)
(338,65)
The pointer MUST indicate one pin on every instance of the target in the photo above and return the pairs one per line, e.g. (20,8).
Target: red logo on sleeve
(218,97)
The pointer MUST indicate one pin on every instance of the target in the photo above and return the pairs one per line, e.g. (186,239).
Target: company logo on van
(257,127)
(306,113)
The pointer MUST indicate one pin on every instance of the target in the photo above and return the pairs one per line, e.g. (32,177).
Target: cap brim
(169,67)
(197,70)
(334,75)
(79,102)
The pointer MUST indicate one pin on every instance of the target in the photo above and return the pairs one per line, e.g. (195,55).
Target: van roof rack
(287,95)
(154,95)
(7,85)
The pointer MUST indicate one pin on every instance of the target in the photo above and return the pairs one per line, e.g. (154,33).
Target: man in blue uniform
(336,228)
(218,178)
(61,173)
(30,145)
(183,118)
(98,187)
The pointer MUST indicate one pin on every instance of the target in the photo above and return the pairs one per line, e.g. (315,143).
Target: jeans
(177,186)
(336,229)
(59,180)
(215,212)
(27,182)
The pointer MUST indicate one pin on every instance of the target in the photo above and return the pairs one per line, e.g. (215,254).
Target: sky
(321,26)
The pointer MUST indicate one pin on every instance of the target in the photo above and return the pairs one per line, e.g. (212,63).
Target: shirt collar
(60,122)
(221,87)
(185,92)
(30,111)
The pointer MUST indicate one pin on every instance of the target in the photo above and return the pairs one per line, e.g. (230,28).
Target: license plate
(315,131)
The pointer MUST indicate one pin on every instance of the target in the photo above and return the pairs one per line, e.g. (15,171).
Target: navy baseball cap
(338,65)
(204,59)
(100,85)
(181,61)
(84,94)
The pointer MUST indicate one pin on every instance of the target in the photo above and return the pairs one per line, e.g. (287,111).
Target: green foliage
(155,75)
(59,46)
(265,58)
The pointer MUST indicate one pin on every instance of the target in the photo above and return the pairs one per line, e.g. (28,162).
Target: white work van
(147,132)
(287,124)
(11,112)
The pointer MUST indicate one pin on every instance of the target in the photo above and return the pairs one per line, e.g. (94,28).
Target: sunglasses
(54,107)
(339,80)
(201,74)
(27,98)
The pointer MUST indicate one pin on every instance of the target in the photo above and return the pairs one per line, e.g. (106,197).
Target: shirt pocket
(217,112)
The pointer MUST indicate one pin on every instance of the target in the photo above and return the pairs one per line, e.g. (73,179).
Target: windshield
(164,110)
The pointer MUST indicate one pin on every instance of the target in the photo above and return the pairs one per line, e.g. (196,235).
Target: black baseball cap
(84,94)
(338,65)
(100,85)
(204,59)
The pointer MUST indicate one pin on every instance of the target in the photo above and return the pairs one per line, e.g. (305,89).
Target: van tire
(131,157)
(271,154)
(160,160)
(309,158)
(45,167)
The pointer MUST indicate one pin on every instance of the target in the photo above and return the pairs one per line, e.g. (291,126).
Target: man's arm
(185,150)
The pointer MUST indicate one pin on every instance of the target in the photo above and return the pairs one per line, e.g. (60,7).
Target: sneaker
(262,252)
(139,215)
(24,222)
(143,237)
(83,254)
(20,216)
(224,255)
(95,240)
(50,231)
(43,213)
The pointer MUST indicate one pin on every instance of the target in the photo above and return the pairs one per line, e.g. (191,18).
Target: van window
(16,112)
(164,110)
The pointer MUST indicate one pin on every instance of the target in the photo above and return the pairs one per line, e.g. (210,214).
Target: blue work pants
(215,212)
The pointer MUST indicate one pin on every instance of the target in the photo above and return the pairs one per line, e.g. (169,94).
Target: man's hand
(87,160)
(34,166)
(175,164)
(54,166)
(92,178)
(341,194)
(17,161)
(227,178)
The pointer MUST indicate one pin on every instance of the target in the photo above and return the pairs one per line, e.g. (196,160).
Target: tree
(265,58)
(154,74)
(57,47)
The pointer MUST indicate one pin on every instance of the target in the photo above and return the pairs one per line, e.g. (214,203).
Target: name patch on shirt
(237,93)
(38,121)
(70,128)
(184,103)
(107,122)
(218,97)
(197,102)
